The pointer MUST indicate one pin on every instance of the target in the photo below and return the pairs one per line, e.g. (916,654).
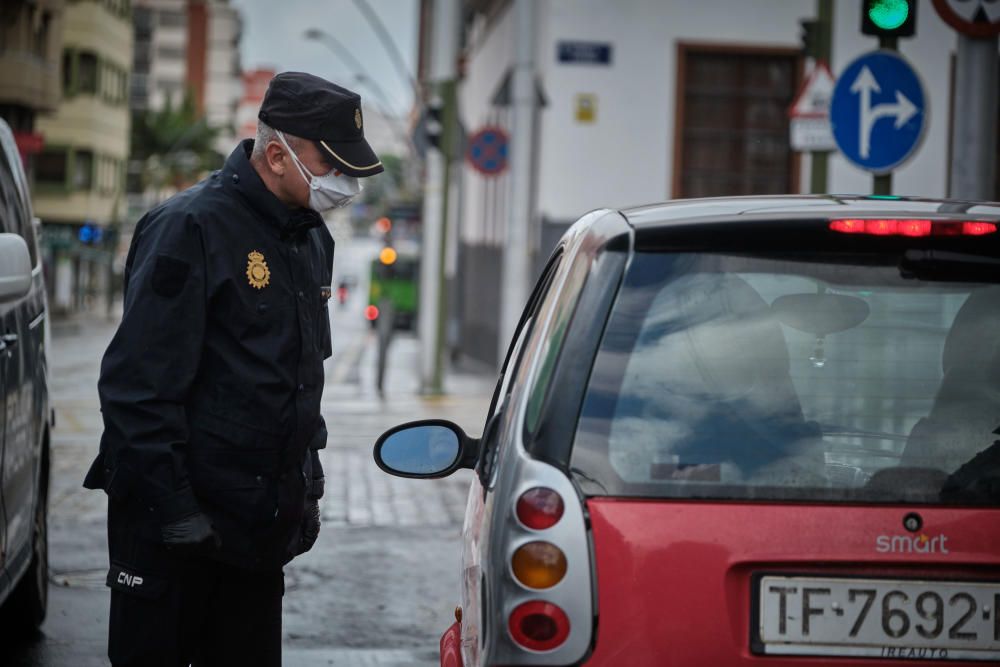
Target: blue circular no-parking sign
(878,111)
(487,150)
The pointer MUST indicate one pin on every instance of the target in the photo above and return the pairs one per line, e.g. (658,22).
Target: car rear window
(837,379)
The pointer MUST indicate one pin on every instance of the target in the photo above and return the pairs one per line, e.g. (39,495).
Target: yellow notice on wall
(586,108)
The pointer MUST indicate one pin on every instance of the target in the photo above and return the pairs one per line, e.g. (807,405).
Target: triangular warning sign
(813,100)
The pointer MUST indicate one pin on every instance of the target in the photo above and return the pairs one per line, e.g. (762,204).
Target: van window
(15,213)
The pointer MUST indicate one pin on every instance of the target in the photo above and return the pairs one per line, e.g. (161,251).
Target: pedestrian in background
(211,387)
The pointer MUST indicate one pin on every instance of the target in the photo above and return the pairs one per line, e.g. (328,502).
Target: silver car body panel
(493,532)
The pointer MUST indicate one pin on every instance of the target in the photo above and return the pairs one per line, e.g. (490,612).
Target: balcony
(28,80)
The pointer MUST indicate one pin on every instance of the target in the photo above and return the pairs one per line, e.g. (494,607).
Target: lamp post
(361,77)
(348,58)
(389,44)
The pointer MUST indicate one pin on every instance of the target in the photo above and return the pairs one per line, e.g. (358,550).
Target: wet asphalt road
(382,582)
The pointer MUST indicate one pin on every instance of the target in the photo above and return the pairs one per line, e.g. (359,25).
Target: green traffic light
(888,14)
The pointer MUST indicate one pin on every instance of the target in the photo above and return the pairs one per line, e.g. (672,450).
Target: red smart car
(740,432)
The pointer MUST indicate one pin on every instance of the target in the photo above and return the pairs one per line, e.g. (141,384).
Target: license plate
(884,618)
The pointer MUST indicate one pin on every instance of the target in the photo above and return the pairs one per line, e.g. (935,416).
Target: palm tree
(175,146)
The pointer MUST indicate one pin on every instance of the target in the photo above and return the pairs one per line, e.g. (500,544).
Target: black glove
(191,535)
(310,526)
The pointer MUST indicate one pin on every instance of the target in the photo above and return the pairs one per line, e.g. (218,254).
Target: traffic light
(810,38)
(889,18)
(434,121)
(388,256)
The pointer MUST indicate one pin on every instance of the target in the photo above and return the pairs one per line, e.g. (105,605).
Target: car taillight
(978,228)
(539,565)
(539,626)
(912,227)
(539,508)
(371,313)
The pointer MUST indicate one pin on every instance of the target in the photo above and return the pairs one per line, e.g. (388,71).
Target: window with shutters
(731,135)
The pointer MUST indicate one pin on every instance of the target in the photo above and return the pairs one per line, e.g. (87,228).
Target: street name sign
(878,111)
(809,114)
(587,53)
(975,18)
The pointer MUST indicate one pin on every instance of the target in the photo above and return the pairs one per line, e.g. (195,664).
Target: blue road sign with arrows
(878,111)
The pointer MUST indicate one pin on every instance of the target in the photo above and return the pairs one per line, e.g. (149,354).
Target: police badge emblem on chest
(257,272)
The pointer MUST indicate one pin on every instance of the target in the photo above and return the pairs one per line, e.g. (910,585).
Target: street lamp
(389,44)
(361,77)
(348,58)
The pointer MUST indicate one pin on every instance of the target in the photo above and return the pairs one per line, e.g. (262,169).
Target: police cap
(309,107)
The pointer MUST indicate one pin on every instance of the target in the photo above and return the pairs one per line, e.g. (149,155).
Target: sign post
(972,171)
(878,113)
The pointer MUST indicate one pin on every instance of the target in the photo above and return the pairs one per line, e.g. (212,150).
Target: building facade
(214,74)
(647,100)
(79,175)
(160,63)
(30,58)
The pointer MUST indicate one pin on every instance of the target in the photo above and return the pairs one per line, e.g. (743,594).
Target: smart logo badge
(911,544)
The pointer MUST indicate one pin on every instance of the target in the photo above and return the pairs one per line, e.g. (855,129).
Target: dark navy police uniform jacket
(211,386)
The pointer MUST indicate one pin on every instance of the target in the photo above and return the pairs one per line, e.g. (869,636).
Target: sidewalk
(382,582)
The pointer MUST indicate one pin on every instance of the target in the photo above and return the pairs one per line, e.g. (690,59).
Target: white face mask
(329,191)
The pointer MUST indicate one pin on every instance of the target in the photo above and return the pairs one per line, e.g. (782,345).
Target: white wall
(626,157)
(484,203)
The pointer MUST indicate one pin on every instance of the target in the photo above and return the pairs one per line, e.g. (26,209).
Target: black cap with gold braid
(307,106)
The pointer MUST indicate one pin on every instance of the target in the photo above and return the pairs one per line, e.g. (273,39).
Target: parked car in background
(739,431)
(25,414)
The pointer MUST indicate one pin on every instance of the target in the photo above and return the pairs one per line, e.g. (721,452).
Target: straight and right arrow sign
(902,109)
(878,111)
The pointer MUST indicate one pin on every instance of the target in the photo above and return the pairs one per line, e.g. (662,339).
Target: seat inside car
(723,367)
(966,411)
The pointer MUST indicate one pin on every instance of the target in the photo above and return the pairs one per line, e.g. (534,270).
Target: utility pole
(515,286)
(974,133)
(433,307)
(818,178)
(882,183)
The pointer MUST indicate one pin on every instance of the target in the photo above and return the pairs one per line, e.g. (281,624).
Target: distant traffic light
(388,256)
(434,122)
(810,38)
(383,225)
(889,18)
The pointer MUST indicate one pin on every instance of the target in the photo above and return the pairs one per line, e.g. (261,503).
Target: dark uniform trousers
(170,611)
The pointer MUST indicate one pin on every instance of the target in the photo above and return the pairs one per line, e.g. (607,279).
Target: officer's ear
(277,157)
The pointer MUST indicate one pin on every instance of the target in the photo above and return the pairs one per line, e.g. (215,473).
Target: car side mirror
(425,449)
(15,268)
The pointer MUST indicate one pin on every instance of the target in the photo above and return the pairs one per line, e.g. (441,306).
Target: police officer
(211,388)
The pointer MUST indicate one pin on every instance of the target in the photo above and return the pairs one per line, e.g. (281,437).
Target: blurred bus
(393,289)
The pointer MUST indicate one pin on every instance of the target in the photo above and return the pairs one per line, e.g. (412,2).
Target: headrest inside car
(820,314)
(973,339)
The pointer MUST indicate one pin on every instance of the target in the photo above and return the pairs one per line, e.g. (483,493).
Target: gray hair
(267,134)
